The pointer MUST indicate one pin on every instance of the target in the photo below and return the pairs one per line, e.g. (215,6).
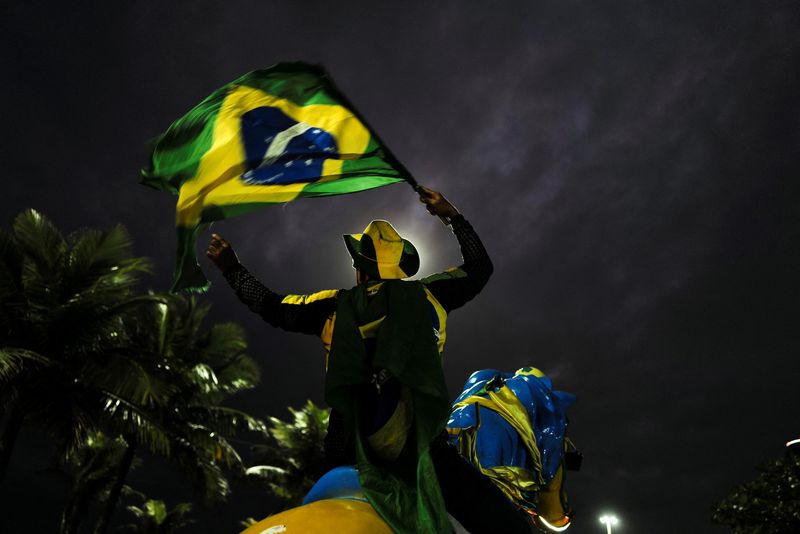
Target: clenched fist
(436,204)
(221,253)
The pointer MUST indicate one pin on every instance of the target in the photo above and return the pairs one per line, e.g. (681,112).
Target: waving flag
(271,136)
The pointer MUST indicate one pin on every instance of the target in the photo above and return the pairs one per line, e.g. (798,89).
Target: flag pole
(387,154)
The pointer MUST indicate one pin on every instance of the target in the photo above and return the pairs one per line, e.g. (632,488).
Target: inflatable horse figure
(335,504)
(510,426)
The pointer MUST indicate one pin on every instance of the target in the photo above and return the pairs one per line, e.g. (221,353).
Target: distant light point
(609,521)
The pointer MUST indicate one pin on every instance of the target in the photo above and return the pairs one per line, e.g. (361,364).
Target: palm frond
(92,248)
(130,419)
(226,420)
(290,463)
(136,301)
(222,340)
(205,378)
(100,262)
(121,374)
(211,446)
(40,241)
(308,425)
(13,361)
(239,373)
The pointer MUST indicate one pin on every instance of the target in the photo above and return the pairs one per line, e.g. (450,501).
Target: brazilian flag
(269,137)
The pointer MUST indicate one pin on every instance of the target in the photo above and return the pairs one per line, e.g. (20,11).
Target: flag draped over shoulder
(271,136)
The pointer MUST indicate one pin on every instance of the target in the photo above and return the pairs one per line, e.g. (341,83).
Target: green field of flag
(271,136)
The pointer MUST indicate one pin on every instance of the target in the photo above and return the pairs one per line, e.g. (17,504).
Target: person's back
(383,341)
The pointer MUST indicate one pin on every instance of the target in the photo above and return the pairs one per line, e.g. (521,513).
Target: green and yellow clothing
(383,343)
(314,314)
(389,391)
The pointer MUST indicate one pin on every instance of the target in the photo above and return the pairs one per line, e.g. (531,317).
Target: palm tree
(174,406)
(89,470)
(63,304)
(191,371)
(82,351)
(294,460)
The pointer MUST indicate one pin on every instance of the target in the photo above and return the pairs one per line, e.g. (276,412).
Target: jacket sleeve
(455,287)
(295,313)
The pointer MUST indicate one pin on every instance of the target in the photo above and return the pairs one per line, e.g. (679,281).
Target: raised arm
(455,287)
(295,313)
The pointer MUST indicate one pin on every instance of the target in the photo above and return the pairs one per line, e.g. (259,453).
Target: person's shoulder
(319,296)
(449,274)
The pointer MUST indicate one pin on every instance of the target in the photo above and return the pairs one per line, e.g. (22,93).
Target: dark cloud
(630,166)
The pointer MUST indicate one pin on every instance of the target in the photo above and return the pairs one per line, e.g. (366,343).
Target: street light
(793,447)
(609,520)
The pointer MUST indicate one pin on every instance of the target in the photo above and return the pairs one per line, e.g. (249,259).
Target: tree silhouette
(89,470)
(105,370)
(64,300)
(293,461)
(768,504)
(191,371)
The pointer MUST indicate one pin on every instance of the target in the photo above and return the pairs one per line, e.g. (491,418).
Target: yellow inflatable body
(326,516)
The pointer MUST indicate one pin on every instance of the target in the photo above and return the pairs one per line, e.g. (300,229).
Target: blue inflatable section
(339,483)
(497,442)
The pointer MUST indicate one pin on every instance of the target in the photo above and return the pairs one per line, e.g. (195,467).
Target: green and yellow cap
(382,253)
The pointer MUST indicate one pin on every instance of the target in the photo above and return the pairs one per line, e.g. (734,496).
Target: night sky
(630,166)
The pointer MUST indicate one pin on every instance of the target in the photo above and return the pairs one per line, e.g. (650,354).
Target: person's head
(379,253)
